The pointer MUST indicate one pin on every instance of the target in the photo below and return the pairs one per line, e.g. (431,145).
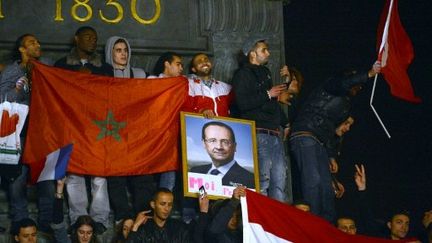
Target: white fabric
(10,145)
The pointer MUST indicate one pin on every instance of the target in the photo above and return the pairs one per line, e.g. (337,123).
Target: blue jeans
(79,202)
(18,196)
(316,184)
(272,166)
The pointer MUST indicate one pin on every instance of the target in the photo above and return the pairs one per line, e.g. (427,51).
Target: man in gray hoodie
(118,55)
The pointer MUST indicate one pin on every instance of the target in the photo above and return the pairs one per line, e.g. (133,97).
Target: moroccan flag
(268,220)
(395,52)
(118,126)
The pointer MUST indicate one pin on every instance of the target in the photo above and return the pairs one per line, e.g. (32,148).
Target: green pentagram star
(109,127)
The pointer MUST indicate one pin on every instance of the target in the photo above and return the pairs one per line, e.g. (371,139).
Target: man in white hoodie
(118,54)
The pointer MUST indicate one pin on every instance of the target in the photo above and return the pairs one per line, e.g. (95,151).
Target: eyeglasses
(213,141)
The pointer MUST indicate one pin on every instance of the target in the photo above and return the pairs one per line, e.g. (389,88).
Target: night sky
(323,37)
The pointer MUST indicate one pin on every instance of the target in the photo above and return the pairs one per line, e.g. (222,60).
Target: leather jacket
(174,231)
(327,107)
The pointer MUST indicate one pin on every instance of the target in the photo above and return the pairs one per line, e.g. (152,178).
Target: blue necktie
(215,172)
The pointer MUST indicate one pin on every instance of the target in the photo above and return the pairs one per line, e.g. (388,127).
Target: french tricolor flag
(270,221)
(53,167)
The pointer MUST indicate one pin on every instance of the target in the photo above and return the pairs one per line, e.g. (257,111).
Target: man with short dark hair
(15,86)
(168,65)
(257,99)
(347,225)
(398,225)
(25,231)
(84,58)
(219,141)
(159,227)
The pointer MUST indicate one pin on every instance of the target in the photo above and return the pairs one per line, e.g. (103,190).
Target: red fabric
(66,106)
(218,98)
(298,226)
(396,55)
(8,123)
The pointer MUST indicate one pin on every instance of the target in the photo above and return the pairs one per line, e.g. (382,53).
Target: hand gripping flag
(118,126)
(270,221)
(395,52)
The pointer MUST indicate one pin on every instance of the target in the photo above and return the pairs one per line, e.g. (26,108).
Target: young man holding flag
(15,86)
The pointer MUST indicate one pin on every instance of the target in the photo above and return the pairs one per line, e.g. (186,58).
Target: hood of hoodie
(109,56)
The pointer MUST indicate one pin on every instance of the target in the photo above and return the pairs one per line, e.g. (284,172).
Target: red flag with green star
(118,126)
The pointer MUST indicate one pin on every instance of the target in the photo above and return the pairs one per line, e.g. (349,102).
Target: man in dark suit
(220,144)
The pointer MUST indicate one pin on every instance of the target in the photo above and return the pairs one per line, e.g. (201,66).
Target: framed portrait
(218,155)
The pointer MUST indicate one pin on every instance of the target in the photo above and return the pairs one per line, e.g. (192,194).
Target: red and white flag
(270,221)
(395,51)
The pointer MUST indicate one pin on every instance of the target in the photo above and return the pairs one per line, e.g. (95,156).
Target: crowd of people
(142,205)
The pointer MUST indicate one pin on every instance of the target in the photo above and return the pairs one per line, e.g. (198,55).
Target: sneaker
(99,228)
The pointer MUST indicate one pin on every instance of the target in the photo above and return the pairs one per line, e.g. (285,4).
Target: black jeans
(141,189)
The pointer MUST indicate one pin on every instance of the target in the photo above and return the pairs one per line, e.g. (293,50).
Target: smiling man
(207,95)
(219,141)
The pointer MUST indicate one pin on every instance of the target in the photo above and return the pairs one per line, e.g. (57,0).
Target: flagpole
(373,108)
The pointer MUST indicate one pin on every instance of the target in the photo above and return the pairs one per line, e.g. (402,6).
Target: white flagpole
(373,108)
(381,48)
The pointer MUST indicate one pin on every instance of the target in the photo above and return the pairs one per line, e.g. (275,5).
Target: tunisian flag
(268,220)
(118,126)
(395,53)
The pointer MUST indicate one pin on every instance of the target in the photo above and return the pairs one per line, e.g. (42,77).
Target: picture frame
(235,156)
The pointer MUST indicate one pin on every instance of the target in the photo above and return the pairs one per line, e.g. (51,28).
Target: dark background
(322,37)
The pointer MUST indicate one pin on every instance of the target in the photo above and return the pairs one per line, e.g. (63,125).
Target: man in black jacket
(84,58)
(256,99)
(313,132)
(159,227)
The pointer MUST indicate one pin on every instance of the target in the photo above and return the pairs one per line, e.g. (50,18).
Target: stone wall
(216,27)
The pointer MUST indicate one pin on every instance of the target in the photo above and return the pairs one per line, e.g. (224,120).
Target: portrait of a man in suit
(219,141)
